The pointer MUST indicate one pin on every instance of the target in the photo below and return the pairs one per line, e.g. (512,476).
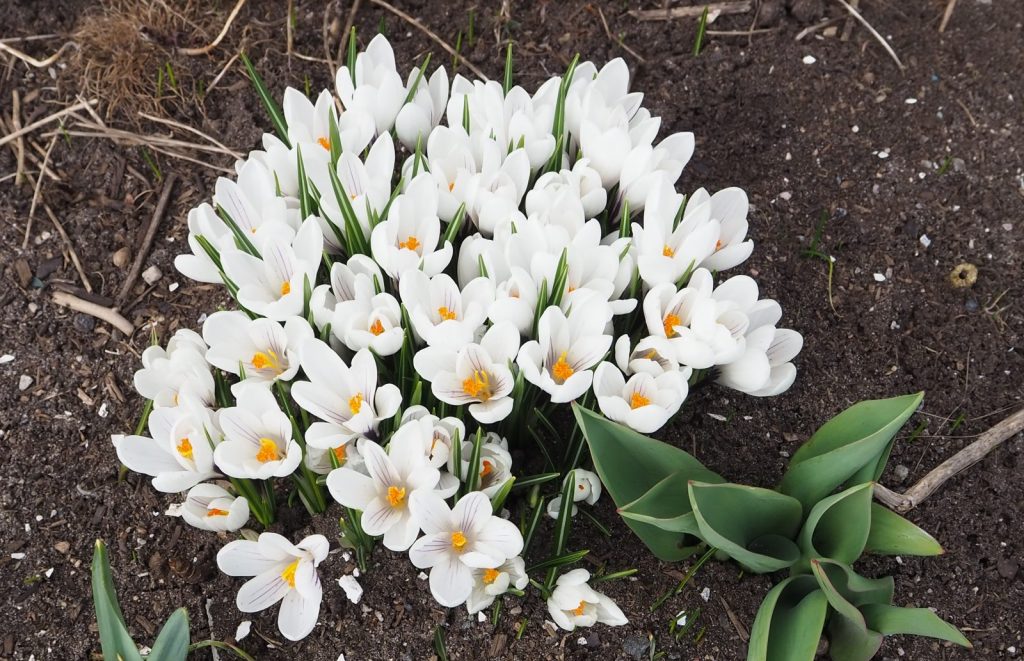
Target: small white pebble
(911,101)
(341,657)
(102,412)
(855,129)
(6,358)
(173,287)
(1008,226)
(152,274)
(355,572)
(785,195)
(28,529)
(716,416)
(705,594)
(681,622)
(883,154)
(24,381)
(879,277)
(18,556)
(809,59)
(352,589)
(244,627)
(480,617)
(48,573)
(925,241)
(422,576)
(582,640)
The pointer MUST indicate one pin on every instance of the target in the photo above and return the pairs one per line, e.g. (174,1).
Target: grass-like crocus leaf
(858,437)
(115,641)
(789,622)
(273,110)
(629,464)
(173,640)
(891,534)
(837,527)
(751,525)
(889,620)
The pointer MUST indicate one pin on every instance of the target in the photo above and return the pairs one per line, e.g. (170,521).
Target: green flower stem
(237,651)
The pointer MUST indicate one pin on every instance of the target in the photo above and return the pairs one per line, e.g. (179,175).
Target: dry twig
(35,194)
(427,31)
(16,123)
(213,44)
(147,241)
(28,59)
(112,317)
(715,8)
(972,454)
(17,133)
(616,40)
(874,33)
(946,15)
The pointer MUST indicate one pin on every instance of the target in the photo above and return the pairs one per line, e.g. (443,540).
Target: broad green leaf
(172,641)
(837,526)
(836,599)
(857,437)
(889,620)
(853,587)
(629,464)
(891,534)
(848,642)
(666,505)
(753,526)
(789,622)
(115,641)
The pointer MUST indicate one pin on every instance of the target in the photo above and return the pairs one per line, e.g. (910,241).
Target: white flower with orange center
(714,333)
(210,507)
(393,478)
(260,349)
(410,237)
(179,372)
(323,460)
(492,582)
(561,360)
(374,88)
(458,540)
(495,463)
(272,285)
(652,355)
(644,402)
(281,571)
(369,320)
(346,398)
(573,603)
(646,164)
(729,207)
(476,374)
(587,489)
(441,314)
(178,453)
(258,441)
(765,368)
(309,125)
(342,287)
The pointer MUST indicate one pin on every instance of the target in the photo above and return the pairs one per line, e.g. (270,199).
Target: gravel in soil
(911,173)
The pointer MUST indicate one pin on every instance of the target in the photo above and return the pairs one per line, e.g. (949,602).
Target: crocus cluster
(424,269)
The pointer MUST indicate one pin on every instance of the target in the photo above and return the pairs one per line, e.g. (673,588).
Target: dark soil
(837,139)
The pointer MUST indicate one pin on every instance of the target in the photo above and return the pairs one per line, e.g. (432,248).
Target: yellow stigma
(185,448)
(670,322)
(445,313)
(266,359)
(213,511)
(396,496)
(487,469)
(478,385)
(410,243)
(667,251)
(451,186)
(578,611)
(355,403)
(325,143)
(376,327)
(561,370)
(286,288)
(341,454)
(637,400)
(491,575)
(288,575)
(268,451)
(718,245)
(458,540)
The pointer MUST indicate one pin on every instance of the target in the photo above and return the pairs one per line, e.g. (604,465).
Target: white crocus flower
(418,118)
(444,432)
(587,489)
(492,582)
(582,181)
(529,124)
(258,441)
(605,142)
(321,462)
(644,165)
(377,89)
(347,399)
(729,207)
(394,479)
(458,540)
(644,402)
(574,603)
(177,453)
(369,321)
(664,253)
(495,193)
(765,368)
(442,315)
(342,286)
(210,507)
(560,361)
(262,349)
(282,572)
(273,286)
(176,373)
(309,125)
(452,165)
(253,204)
(495,463)
(652,355)
(476,374)
(198,266)
(515,301)
(367,184)
(410,237)
(714,332)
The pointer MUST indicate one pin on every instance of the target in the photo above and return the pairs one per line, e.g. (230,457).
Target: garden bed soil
(915,172)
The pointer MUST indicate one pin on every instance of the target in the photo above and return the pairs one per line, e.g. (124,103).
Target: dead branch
(692,12)
(147,241)
(112,317)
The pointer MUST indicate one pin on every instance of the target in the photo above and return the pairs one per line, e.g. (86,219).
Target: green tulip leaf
(749,524)
(891,534)
(854,588)
(837,527)
(665,505)
(848,642)
(835,596)
(630,464)
(889,620)
(858,437)
(789,622)
(115,641)
(172,642)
